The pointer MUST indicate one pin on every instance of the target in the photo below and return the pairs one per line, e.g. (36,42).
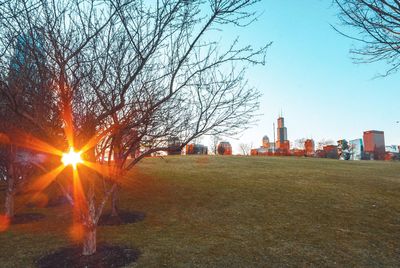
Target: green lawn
(242,212)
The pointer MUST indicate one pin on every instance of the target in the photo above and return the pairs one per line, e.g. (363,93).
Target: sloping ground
(241,212)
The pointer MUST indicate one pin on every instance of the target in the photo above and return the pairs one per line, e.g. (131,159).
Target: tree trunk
(89,240)
(117,174)
(89,208)
(9,204)
(90,225)
(114,203)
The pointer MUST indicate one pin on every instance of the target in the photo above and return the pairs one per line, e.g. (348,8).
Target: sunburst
(72,158)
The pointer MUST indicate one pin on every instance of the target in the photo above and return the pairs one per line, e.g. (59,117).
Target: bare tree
(325,142)
(129,76)
(24,104)
(245,148)
(299,143)
(378,26)
(215,139)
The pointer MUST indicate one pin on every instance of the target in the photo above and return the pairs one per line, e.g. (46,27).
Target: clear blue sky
(311,77)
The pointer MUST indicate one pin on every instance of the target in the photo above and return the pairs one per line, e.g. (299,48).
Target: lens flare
(4,223)
(71,158)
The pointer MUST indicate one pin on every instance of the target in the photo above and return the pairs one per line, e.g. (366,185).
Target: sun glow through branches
(71,158)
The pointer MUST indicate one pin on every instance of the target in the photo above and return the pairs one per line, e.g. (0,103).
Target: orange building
(298,152)
(309,147)
(331,151)
(196,149)
(374,144)
(224,148)
(283,147)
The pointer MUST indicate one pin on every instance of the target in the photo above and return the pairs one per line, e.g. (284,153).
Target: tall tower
(281,130)
(282,143)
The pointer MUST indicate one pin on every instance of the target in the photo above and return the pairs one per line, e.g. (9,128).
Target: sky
(310,76)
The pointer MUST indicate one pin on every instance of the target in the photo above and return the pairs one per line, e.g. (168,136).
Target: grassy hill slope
(242,212)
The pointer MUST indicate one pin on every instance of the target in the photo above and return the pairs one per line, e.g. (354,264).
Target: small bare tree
(215,139)
(325,142)
(299,143)
(245,148)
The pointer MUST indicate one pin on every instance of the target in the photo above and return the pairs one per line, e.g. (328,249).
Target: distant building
(320,154)
(392,156)
(309,147)
(374,144)
(356,149)
(28,54)
(331,151)
(196,149)
(343,149)
(281,130)
(261,151)
(224,148)
(265,149)
(298,152)
(392,152)
(392,148)
(282,143)
(265,142)
(174,146)
(283,147)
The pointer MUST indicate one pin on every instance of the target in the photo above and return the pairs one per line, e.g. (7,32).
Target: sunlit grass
(241,212)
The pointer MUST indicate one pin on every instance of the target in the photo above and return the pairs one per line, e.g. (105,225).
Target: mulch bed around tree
(124,217)
(26,218)
(105,256)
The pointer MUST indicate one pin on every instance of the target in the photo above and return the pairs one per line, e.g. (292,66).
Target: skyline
(310,77)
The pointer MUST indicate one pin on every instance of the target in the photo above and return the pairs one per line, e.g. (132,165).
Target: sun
(71,158)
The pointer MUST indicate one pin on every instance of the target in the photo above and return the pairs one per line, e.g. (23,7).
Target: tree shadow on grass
(105,256)
(58,202)
(124,217)
(27,218)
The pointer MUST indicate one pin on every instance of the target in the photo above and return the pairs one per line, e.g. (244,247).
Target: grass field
(241,212)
